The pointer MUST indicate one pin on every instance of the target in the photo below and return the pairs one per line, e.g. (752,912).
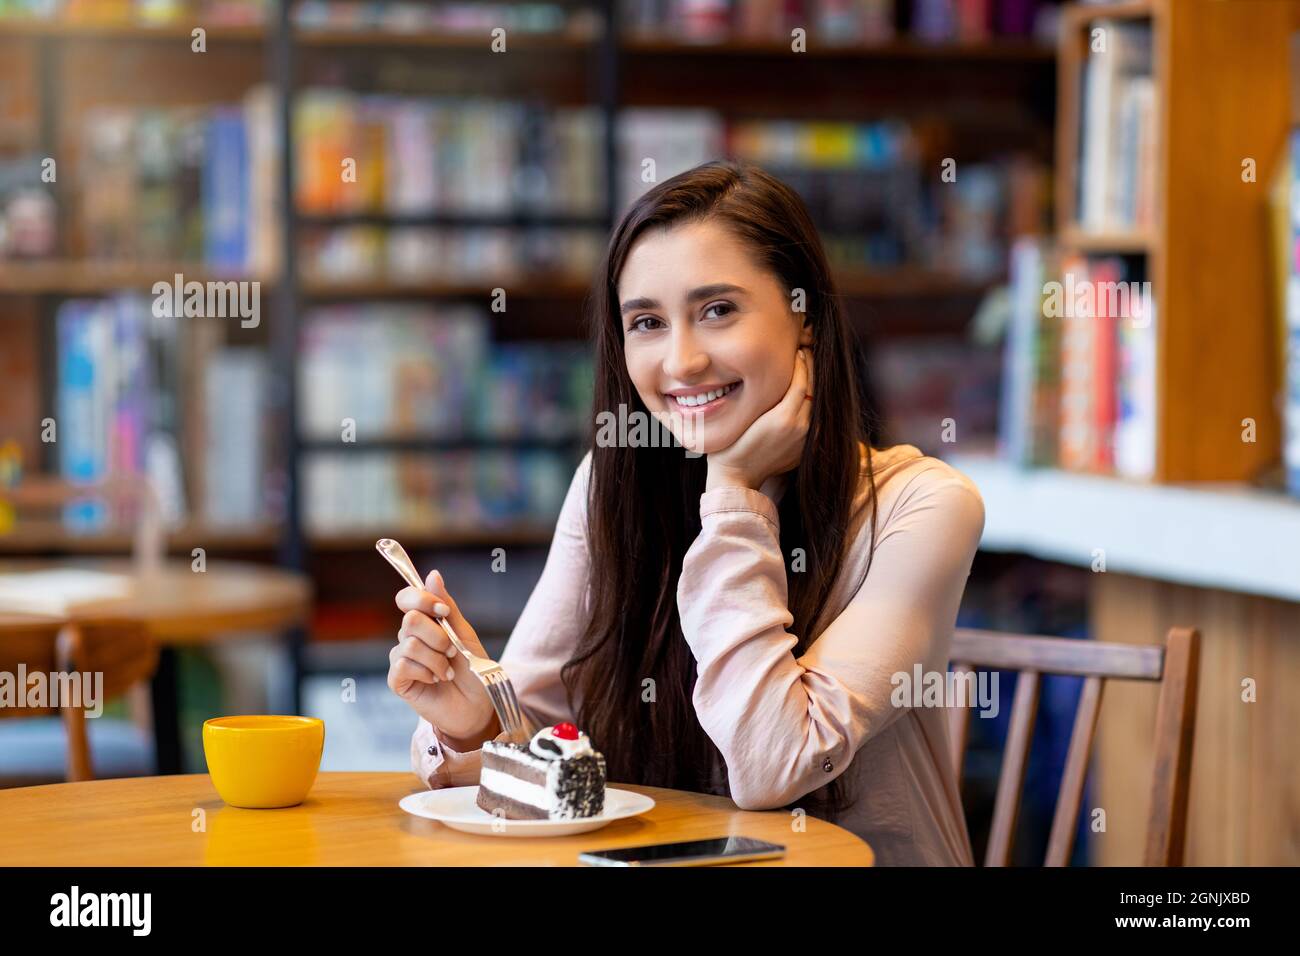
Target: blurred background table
(352,819)
(183,607)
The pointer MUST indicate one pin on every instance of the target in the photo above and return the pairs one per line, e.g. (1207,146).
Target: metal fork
(513,719)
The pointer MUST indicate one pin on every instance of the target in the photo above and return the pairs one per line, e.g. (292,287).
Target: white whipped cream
(568,748)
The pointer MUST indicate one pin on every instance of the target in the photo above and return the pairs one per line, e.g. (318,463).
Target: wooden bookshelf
(1075,239)
(911,281)
(53,537)
(1216,68)
(92,277)
(519,286)
(519,535)
(578,37)
(1009,49)
(53,28)
(642,43)
(1115,10)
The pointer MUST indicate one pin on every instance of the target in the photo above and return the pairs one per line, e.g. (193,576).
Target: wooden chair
(122,651)
(1175,666)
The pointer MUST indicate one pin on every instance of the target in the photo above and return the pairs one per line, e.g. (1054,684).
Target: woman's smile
(701,399)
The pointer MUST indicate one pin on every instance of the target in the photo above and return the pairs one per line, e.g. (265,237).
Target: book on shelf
(234,398)
(405,155)
(938,395)
(864,184)
(1079,366)
(225,191)
(478,19)
(657,143)
(974,21)
(182,184)
(427,493)
(411,156)
(434,373)
(138,394)
(1135,421)
(1118,117)
(145,12)
(1029,408)
(1087,375)
(110,418)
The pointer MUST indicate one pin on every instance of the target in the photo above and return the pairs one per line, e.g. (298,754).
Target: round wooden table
(21,622)
(184,607)
(352,819)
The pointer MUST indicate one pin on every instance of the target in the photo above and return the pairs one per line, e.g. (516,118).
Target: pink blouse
(788,725)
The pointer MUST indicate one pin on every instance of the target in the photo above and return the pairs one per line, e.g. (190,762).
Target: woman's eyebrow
(702,292)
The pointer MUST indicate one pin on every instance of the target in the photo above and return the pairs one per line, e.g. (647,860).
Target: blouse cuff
(726,499)
(440,765)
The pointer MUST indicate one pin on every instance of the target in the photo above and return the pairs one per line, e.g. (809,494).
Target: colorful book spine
(1015,412)
(226,191)
(1135,425)
(1104,274)
(84,333)
(1078,357)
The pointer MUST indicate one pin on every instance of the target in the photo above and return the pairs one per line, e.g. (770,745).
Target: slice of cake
(557,776)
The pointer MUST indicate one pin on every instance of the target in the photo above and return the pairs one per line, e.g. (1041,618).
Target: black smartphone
(735,849)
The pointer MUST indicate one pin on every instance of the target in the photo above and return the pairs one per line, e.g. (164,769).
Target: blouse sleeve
(543,639)
(785,725)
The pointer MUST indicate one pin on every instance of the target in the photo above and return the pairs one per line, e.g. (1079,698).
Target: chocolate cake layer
(507,762)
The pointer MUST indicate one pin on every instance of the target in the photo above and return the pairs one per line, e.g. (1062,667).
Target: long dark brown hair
(643,506)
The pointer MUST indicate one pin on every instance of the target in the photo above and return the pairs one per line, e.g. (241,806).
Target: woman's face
(709,337)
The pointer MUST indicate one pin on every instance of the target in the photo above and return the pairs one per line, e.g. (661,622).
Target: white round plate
(455,807)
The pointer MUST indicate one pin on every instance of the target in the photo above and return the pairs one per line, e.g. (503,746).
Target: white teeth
(704,397)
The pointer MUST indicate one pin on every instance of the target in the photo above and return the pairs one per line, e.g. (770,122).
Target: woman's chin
(702,435)
(697,444)
(707,442)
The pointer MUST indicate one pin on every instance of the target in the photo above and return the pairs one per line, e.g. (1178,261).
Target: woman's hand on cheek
(773,444)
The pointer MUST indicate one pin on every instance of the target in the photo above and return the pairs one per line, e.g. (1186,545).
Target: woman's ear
(805,334)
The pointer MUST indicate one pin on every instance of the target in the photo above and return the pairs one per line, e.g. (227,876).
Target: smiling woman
(721,350)
(727,618)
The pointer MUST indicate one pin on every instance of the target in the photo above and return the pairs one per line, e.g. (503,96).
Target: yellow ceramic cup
(263,761)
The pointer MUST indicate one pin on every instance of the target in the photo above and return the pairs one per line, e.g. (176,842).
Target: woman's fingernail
(451,673)
(441,610)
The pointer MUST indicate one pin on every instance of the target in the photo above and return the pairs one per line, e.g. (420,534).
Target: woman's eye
(726,307)
(643,323)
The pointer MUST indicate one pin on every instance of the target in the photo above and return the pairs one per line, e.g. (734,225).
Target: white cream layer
(511,786)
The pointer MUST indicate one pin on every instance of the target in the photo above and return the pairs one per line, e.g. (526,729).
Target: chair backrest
(1175,666)
(122,651)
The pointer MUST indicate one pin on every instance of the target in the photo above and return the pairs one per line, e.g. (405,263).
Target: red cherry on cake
(565,731)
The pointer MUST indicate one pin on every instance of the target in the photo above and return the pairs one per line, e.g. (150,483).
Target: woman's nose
(685,358)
